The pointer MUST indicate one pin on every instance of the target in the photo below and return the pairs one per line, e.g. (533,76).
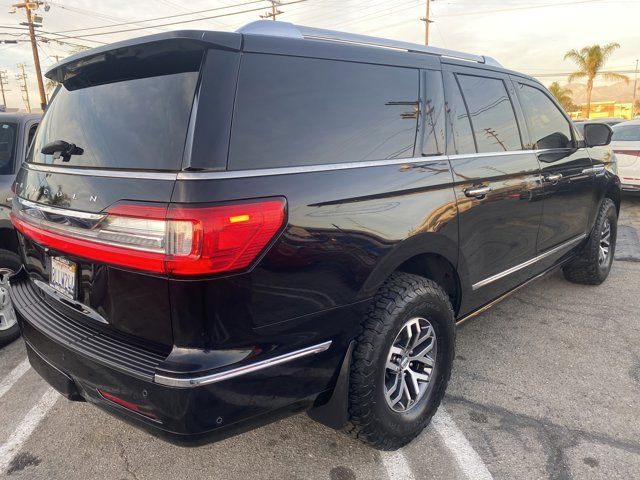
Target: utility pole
(427,20)
(28,6)
(274,10)
(3,81)
(635,87)
(22,77)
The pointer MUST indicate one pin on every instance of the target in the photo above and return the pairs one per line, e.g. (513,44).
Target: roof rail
(285,29)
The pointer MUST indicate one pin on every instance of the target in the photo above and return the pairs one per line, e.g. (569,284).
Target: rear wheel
(401,362)
(9,330)
(593,264)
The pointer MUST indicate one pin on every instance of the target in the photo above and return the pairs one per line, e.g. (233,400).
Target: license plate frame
(63,275)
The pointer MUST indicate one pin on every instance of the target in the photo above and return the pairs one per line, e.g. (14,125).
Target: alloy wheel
(605,243)
(410,364)
(7,313)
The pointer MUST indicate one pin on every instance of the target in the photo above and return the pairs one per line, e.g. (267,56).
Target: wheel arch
(429,255)
(613,192)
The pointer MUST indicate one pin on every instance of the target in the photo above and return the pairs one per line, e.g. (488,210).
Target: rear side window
(548,127)
(492,116)
(459,134)
(132,124)
(298,111)
(8,138)
(626,133)
(30,135)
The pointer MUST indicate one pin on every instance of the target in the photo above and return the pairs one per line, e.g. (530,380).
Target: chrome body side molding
(261,172)
(197,381)
(533,260)
(99,172)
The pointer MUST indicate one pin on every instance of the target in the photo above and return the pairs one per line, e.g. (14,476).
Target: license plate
(63,276)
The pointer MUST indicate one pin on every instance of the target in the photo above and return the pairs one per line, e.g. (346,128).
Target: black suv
(221,228)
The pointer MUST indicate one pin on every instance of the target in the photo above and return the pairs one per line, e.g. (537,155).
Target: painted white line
(26,427)
(466,457)
(397,465)
(15,374)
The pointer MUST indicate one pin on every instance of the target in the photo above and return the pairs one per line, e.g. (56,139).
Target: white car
(626,145)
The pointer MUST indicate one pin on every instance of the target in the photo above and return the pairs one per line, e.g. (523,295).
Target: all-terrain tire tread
(397,291)
(584,269)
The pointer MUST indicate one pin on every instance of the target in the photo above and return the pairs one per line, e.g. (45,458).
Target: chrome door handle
(477,192)
(553,177)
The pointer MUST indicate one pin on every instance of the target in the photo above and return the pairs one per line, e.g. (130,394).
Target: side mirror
(597,134)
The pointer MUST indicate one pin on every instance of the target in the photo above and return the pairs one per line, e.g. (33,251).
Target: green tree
(563,95)
(590,61)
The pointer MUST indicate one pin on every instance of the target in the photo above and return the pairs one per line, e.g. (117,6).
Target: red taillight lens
(174,240)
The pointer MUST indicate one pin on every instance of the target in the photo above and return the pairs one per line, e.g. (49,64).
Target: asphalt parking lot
(546,385)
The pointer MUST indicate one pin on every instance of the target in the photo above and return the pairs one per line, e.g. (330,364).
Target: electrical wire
(85,36)
(137,22)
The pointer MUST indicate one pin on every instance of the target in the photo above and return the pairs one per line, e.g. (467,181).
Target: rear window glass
(492,116)
(134,124)
(8,140)
(626,133)
(298,111)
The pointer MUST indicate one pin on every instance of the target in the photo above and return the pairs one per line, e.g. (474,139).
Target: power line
(85,37)
(525,7)
(136,22)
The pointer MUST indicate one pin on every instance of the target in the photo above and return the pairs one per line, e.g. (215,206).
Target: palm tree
(590,61)
(563,95)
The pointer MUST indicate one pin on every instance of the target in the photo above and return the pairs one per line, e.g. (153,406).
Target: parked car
(16,132)
(200,276)
(626,145)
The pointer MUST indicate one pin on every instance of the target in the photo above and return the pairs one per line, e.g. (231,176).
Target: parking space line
(466,457)
(13,376)
(26,427)
(397,465)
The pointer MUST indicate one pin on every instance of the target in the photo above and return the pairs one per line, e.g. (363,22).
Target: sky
(529,36)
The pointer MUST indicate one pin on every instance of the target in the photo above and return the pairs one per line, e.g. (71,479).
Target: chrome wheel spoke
(605,243)
(394,394)
(410,364)
(7,313)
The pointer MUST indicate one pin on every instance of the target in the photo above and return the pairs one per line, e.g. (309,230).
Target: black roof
(252,42)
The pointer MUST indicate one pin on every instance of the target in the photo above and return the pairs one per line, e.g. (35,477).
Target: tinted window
(548,127)
(30,135)
(8,137)
(299,111)
(433,118)
(138,124)
(626,133)
(492,116)
(459,134)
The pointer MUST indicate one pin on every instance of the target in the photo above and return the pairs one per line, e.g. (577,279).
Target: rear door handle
(553,177)
(477,192)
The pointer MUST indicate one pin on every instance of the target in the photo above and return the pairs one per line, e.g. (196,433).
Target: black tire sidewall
(10,260)
(412,422)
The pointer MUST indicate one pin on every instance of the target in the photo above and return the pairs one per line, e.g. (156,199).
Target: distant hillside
(620,92)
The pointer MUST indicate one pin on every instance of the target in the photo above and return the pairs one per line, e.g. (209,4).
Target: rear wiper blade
(61,149)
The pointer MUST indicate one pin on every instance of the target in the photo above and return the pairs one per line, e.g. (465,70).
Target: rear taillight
(173,240)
